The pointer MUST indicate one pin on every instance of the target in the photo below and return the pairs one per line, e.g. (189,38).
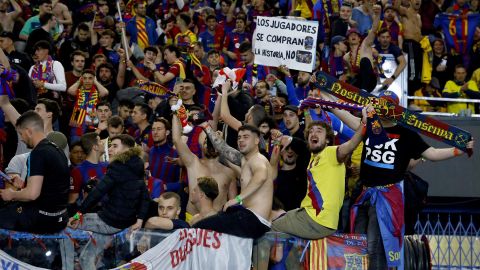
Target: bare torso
(7,21)
(260,201)
(411,25)
(210,167)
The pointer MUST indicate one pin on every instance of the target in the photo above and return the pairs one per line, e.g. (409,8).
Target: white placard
(285,42)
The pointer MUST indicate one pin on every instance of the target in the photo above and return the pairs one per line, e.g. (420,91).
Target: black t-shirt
(48,160)
(392,49)
(291,187)
(386,163)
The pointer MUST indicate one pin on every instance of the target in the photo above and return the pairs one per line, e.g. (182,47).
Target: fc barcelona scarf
(153,88)
(43,73)
(6,79)
(84,111)
(414,121)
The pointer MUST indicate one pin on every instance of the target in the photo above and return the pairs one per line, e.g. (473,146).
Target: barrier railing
(453,245)
(463,100)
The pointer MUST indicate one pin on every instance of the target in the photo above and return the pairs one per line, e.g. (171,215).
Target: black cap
(292,108)
(7,34)
(336,40)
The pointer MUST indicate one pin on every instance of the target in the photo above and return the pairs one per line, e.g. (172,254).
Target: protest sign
(285,42)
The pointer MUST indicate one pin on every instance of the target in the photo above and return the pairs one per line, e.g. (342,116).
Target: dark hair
(242,16)
(382,31)
(126,103)
(270,122)
(250,128)
(88,71)
(213,51)
(98,55)
(108,32)
(330,136)
(228,2)
(174,49)
(41,2)
(45,18)
(164,121)
(245,46)
(168,195)
(105,65)
(115,121)
(282,95)
(51,106)
(77,143)
(145,109)
(211,16)
(104,103)
(89,140)
(43,44)
(263,81)
(151,49)
(460,66)
(83,26)
(76,53)
(258,113)
(209,186)
(185,18)
(126,140)
(30,119)
(21,105)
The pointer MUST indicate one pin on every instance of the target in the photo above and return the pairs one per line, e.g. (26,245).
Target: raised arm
(230,153)
(16,10)
(225,110)
(438,154)
(186,156)
(72,90)
(347,118)
(102,91)
(345,149)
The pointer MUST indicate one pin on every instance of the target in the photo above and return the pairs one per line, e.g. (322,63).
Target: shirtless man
(247,215)
(62,13)
(412,33)
(7,19)
(206,166)
(202,197)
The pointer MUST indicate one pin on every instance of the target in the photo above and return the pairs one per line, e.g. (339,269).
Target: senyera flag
(417,122)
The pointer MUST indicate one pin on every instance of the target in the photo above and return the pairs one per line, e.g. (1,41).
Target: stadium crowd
(84,145)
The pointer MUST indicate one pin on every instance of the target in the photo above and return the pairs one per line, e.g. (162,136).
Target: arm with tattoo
(230,153)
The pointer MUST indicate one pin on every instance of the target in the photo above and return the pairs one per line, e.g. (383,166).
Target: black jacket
(127,195)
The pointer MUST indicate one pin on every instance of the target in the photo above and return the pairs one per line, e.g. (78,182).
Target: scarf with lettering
(84,110)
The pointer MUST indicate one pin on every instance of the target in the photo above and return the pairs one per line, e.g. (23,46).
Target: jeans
(101,232)
(366,222)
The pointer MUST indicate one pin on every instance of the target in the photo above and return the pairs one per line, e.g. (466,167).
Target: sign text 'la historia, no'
(287,42)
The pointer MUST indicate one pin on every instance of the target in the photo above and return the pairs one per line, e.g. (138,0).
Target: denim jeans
(101,232)
(366,222)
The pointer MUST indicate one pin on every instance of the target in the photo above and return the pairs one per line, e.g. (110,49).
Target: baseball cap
(7,34)
(352,30)
(292,108)
(58,138)
(390,96)
(336,40)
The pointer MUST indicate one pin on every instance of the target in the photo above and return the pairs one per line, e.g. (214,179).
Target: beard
(317,148)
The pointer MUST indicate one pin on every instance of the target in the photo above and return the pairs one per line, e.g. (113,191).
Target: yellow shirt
(456,107)
(425,105)
(326,188)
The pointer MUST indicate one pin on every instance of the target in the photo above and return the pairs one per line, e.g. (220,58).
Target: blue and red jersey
(84,172)
(163,171)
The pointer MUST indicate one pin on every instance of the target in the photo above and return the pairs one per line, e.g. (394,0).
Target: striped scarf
(43,73)
(84,111)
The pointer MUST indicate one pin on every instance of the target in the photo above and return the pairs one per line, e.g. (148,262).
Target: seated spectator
(391,23)
(443,63)
(387,47)
(167,212)
(459,87)
(203,195)
(432,89)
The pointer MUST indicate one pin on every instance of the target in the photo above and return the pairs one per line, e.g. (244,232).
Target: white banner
(279,41)
(8,262)
(196,249)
